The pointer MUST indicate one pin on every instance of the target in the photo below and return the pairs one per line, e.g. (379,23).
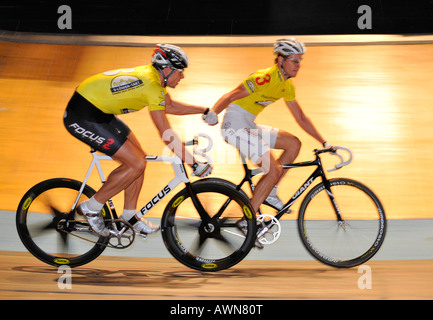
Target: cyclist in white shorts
(254,141)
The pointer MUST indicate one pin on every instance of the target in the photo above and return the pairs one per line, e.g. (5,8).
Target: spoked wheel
(218,241)
(355,238)
(44,224)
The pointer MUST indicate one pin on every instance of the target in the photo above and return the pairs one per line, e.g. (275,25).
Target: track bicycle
(341,221)
(198,224)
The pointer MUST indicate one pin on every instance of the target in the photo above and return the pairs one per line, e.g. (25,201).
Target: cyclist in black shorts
(91,116)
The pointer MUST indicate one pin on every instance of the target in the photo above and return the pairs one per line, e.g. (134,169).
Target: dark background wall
(223,17)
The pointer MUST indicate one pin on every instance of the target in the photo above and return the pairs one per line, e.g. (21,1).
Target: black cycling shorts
(103,132)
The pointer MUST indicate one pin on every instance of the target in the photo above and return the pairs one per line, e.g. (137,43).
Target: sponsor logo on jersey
(125,83)
(251,85)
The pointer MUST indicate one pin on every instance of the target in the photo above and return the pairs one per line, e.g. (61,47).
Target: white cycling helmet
(169,56)
(286,47)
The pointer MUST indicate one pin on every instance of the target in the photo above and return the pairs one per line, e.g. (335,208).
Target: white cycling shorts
(252,140)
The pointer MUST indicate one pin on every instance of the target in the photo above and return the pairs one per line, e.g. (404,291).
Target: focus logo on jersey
(87,134)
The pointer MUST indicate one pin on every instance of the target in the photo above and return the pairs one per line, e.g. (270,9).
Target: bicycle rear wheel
(215,244)
(349,242)
(43,228)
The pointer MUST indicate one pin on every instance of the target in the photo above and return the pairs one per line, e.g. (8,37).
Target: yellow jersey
(125,90)
(265,87)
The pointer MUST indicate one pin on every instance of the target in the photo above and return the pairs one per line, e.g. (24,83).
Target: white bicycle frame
(176,163)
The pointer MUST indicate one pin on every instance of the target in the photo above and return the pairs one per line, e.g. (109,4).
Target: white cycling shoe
(143,227)
(94,218)
(275,201)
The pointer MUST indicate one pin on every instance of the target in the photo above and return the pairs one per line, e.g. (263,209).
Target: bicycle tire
(39,232)
(209,247)
(355,240)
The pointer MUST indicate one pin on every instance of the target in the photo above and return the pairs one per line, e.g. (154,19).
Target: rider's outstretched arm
(304,121)
(238,93)
(181,108)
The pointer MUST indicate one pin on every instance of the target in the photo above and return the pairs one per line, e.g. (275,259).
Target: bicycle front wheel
(42,224)
(217,242)
(351,240)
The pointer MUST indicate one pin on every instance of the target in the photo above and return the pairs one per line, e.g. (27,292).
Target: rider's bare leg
(291,146)
(133,164)
(132,192)
(268,181)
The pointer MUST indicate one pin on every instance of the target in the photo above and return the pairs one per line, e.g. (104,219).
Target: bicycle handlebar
(334,152)
(195,142)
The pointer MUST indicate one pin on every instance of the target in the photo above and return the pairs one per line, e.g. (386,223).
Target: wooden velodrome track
(376,99)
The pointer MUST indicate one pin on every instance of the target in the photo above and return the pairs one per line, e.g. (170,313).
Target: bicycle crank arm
(269,229)
(125,233)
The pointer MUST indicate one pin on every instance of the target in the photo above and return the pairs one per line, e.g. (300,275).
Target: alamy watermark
(365,21)
(65,280)
(253,143)
(65,20)
(365,280)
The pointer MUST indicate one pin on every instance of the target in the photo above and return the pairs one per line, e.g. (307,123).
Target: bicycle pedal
(142,235)
(258,244)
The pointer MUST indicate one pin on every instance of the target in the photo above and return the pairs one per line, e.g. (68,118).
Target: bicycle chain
(114,233)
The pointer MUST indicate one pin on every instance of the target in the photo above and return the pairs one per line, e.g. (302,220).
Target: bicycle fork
(332,199)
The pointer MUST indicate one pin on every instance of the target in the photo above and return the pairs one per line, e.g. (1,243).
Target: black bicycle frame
(316,174)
